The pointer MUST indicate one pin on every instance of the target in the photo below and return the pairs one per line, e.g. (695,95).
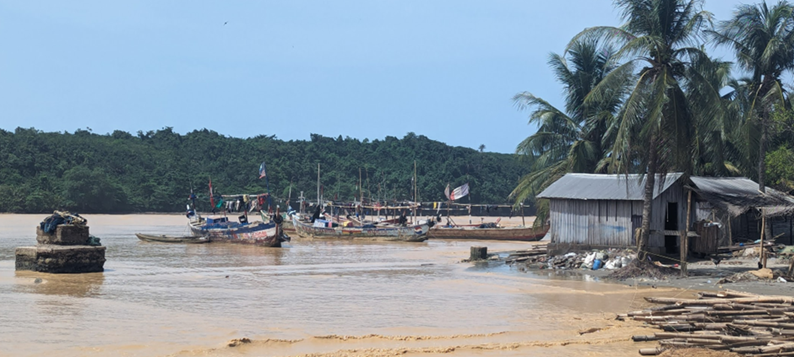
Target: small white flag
(459,192)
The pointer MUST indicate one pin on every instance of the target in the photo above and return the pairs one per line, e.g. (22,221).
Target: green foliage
(779,169)
(155,171)
(574,139)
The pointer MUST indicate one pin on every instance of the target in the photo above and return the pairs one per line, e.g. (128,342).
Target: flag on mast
(446,191)
(262,172)
(459,192)
(212,198)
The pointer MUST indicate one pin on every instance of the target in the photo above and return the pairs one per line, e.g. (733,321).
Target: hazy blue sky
(364,69)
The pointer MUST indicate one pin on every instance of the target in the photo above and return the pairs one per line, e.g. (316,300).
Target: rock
(238,341)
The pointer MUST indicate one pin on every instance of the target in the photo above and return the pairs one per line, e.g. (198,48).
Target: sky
(361,69)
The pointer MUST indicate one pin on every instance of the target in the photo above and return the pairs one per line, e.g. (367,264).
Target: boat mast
(318,183)
(289,195)
(360,189)
(449,203)
(415,198)
(302,200)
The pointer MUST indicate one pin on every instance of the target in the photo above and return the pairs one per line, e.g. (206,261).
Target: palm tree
(713,154)
(569,140)
(763,42)
(655,129)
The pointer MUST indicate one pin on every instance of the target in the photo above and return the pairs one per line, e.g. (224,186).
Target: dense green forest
(155,171)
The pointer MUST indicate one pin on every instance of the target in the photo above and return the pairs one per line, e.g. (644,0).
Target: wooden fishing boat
(172,239)
(412,233)
(287,227)
(527,234)
(221,230)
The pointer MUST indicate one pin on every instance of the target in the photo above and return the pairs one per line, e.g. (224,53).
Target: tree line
(155,171)
(646,97)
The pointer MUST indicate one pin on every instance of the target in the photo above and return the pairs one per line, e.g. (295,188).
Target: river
(308,298)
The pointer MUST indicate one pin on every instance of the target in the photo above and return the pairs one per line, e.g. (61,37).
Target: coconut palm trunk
(647,200)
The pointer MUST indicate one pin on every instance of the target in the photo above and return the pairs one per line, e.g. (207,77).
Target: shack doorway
(671,224)
(671,217)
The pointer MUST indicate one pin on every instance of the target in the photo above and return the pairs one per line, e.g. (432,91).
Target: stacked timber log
(744,323)
(526,254)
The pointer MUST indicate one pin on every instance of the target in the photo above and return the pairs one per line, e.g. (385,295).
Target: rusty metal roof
(606,187)
(736,195)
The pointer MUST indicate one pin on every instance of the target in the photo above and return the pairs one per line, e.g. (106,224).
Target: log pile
(527,254)
(745,323)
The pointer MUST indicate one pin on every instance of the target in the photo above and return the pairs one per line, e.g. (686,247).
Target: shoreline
(703,275)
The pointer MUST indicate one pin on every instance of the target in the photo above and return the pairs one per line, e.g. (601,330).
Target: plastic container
(596,264)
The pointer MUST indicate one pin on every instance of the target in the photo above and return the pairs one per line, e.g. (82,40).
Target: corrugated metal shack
(736,204)
(589,211)
(597,211)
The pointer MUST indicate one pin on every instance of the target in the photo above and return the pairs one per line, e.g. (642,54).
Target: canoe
(221,230)
(172,239)
(526,234)
(414,233)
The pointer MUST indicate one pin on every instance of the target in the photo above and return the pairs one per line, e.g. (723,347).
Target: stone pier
(66,250)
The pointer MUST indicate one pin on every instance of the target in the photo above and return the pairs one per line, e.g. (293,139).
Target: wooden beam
(763,229)
(684,240)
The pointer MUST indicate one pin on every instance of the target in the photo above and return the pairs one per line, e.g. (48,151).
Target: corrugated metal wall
(609,223)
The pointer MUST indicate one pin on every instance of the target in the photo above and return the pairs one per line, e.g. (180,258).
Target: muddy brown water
(308,298)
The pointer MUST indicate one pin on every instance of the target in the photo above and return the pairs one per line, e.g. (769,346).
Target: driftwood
(744,323)
(590,330)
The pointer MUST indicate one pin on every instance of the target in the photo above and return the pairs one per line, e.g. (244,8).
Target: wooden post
(791,267)
(523,222)
(479,253)
(684,240)
(763,229)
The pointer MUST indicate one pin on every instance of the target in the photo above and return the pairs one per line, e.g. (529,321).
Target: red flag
(212,199)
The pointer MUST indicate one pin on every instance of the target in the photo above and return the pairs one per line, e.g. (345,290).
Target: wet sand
(310,298)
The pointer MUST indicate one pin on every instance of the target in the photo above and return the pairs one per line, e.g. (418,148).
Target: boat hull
(417,233)
(526,234)
(172,239)
(260,234)
(288,227)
